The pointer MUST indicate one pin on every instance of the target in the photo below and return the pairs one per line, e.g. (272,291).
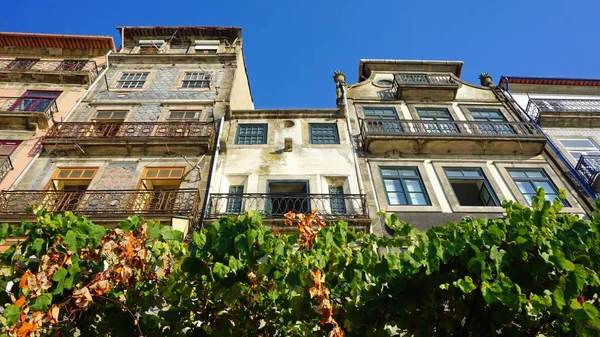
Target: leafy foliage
(533,273)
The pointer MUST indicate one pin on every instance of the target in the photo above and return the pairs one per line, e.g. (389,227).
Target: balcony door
(494,122)
(442,121)
(35,100)
(160,186)
(67,188)
(286,196)
(383,119)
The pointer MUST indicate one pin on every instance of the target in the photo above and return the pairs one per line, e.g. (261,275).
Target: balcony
(130,138)
(82,72)
(103,205)
(451,137)
(5,166)
(589,168)
(26,113)
(570,113)
(438,87)
(351,208)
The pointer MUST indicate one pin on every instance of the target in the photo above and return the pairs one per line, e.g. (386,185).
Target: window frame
(112,118)
(120,80)
(197,114)
(404,191)
(378,117)
(71,65)
(235,203)
(265,133)
(487,184)
(334,129)
(440,126)
(546,178)
(560,140)
(15,64)
(207,78)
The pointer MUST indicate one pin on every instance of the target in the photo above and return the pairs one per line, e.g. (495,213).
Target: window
(324,134)
(206,46)
(497,121)
(184,115)
(73,181)
(439,118)
(36,100)
(71,65)
(249,134)
(380,113)
(196,80)
(109,122)
(404,186)
(148,50)
(528,180)
(471,187)
(109,115)
(7,147)
(234,201)
(337,204)
(154,178)
(580,147)
(21,64)
(132,80)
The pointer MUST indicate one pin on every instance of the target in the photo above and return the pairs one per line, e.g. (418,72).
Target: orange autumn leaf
(26,330)
(100,287)
(20,301)
(23,284)
(53,313)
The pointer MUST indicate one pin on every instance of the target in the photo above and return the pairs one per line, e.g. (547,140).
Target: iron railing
(69,66)
(537,106)
(137,130)
(275,205)
(47,106)
(5,166)
(423,79)
(105,203)
(589,168)
(378,127)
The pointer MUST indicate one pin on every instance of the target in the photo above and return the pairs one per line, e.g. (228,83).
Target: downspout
(89,89)
(553,146)
(213,167)
(122,40)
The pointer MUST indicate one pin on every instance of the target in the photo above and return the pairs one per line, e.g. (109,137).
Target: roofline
(182,27)
(62,36)
(549,80)
(364,62)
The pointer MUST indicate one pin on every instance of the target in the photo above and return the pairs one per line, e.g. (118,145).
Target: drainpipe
(213,167)
(563,159)
(85,94)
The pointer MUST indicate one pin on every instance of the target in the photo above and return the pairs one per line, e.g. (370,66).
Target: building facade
(42,76)
(565,110)
(141,140)
(434,148)
(274,161)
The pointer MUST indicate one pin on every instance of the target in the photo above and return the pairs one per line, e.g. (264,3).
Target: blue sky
(293,47)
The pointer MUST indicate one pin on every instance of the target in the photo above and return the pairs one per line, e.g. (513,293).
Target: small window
(580,147)
(21,64)
(149,50)
(196,80)
(404,186)
(206,46)
(110,115)
(184,115)
(471,187)
(7,147)
(71,65)
(132,80)
(324,134)
(528,180)
(249,134)
(338,206)
(234,201)
(380,113)
(163,173)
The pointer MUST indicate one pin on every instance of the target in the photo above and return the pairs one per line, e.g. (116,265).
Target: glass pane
(152,173)
(389,172)
(576,154)
(472,173)
(535,174)
(119,114)
(525,187)
(64,173)
(407,173)
(163,173)
(413,185)
(176,173)
(517,174)
(579,143)
(397,199)
(88,173)
(103,114)
(548,188)
(528,198)
(393,185)
(418,199)
(76,174)
(454,173)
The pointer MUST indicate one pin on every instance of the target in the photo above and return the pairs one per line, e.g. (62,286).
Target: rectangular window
(324,134)
(196,80)
(380,113)
(73,181)
(404,186)
(337,204)
(206,46)
(21,64)
(155,178)
(250,134)
(148,50)
(528,180)
(471,187)
(71,65)
(7,147)
(497,122)
(132,80)
(108,123)
(184,115)
(35,100)
(234,201)
(580,147)
(110,115)
(442,121)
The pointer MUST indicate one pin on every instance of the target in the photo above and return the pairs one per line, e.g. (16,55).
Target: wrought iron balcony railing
(135,130)
(47,106)
(275,205)
(103,203)
(589,168)
(537,106)
(378,127)
(69,66)
(5,166)
(423,79)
